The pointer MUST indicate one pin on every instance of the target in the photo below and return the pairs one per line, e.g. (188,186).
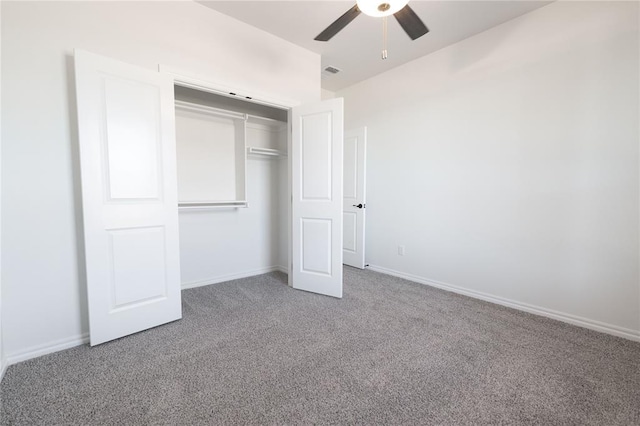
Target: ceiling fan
(406,17)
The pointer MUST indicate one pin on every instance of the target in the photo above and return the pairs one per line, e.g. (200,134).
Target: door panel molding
(355,197)
(316,211)
(126,128)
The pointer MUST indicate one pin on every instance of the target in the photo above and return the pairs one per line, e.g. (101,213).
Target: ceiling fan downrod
(384,38)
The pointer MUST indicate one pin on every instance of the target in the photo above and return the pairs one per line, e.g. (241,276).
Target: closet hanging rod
(266,119)
(266,151)
(214,205)
(189,106)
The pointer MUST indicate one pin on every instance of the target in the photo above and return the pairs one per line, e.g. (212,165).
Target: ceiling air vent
(332,70)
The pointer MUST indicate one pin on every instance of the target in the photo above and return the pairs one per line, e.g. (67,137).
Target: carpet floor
(254,351)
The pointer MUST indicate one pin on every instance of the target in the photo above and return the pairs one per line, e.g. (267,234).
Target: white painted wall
(327,94)
(2,359)
(44,296)
(226,244)
(507,164)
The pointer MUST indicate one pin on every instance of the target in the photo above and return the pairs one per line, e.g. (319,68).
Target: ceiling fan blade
(338,24)
(411,23)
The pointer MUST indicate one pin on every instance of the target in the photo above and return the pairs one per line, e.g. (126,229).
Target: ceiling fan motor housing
(380,8)
(406,17)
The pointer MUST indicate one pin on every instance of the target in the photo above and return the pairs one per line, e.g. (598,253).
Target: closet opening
(183,188)
(233,187)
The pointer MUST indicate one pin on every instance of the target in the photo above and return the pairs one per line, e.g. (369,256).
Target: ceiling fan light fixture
(380,8)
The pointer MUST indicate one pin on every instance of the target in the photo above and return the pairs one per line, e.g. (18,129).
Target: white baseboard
(62,344)
(537,310)
(48,348)
(282,269)
(3,368)
(230,277)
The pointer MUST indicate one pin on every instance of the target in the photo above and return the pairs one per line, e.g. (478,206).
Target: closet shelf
(267,152)
(266,121)
(206,205)
(189,106)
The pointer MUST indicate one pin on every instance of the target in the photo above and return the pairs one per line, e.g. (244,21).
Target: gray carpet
(254,351)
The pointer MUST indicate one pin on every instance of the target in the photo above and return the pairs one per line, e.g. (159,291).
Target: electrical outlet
(400,250)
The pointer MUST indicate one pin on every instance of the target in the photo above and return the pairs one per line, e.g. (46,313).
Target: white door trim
(186,79)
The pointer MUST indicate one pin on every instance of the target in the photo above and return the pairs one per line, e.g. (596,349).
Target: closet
(184,186)
(232,187)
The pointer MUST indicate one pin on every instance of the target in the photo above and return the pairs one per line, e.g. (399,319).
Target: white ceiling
(356,49)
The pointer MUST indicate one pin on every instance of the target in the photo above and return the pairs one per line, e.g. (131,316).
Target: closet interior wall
(222,243)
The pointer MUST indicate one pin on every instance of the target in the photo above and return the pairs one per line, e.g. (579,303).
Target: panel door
(316,211)
(126,123)
(354,204)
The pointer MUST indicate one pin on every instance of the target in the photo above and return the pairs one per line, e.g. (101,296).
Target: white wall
(226,244)
(507,164)
(43,277)
(327,94)
(2,360)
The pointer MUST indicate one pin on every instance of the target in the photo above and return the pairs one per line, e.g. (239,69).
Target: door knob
(358,205)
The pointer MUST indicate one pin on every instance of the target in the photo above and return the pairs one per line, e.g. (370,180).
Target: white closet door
(316,175)
(355,147)
(126,124)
